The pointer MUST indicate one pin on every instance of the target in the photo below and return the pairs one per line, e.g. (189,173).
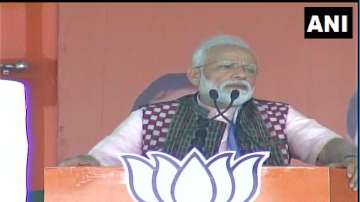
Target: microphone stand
(214,96)
(234,95)
(198,141)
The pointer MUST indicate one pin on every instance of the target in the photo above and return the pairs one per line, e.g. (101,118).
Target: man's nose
(239,73)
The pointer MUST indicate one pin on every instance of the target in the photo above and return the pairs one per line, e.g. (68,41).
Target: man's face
(228,68)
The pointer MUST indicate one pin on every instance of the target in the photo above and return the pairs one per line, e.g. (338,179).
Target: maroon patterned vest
(158,125)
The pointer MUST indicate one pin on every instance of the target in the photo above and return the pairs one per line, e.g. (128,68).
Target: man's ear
(193,75)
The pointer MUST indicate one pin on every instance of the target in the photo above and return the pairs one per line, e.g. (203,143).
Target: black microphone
(234,95)
(199,140)
(214,95)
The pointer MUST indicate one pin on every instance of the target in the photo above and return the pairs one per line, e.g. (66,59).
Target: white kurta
(305,136)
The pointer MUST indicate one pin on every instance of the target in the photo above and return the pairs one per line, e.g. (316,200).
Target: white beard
(225,93)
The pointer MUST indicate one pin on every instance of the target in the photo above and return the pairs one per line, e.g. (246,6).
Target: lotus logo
(220,178)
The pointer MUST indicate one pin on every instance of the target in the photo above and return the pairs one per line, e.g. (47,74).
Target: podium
(278,184)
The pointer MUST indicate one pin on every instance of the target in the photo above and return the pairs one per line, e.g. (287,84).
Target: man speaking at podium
(223,115)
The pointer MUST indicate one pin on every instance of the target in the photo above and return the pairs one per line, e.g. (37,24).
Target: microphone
(199,140)
(234,95)
(232,144)
(214,95)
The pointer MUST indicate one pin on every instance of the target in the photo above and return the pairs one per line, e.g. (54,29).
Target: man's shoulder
(271,108)
(270,103)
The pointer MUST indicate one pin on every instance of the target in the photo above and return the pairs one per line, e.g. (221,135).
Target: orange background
(90,61)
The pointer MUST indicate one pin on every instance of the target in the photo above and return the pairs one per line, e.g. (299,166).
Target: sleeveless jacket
(174,127)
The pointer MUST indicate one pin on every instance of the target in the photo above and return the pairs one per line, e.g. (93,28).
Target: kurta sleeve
(306,137)
(126,138)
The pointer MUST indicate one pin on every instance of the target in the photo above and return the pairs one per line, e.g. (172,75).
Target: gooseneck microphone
(214,95)
(200,135)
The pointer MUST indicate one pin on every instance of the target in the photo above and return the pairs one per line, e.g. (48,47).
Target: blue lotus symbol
(220,178)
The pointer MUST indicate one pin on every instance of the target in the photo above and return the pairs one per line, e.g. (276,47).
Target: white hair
(198,57)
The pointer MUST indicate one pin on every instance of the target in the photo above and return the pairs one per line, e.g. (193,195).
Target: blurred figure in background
(165,88)
(352,119)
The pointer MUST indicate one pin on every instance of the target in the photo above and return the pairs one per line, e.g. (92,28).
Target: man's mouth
(237,86)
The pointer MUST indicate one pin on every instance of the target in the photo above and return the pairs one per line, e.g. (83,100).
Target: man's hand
(340,153)
(351,165)
(80,160)
(352,172)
